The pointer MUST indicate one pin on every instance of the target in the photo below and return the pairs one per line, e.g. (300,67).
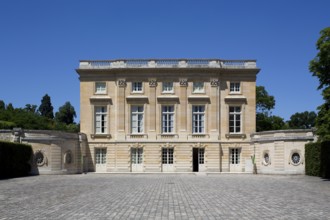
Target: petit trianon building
(167,116)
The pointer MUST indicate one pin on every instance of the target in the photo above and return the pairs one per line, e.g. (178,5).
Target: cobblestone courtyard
(165,196)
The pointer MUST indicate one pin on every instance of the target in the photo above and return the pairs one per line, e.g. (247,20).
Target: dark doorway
(195,159)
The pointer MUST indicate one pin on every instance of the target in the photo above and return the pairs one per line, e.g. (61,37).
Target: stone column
(183,108)
(152,108)
(120,105)
(213,118)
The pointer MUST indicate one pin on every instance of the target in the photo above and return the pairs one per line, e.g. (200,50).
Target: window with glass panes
(198,87)
(100,87)
(137,155)
(201,155)
(167,155)
(235,119)
(168,119)
(137,113)
(167,86)
(235,156)
(198,119)
(235,87)
(100,119)
(137,86)
(100,155)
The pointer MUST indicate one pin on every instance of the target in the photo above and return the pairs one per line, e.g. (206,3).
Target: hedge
(14,159)
(317,156)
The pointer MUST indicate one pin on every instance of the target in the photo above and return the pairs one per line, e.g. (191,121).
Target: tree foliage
(264,118)
(320,67)
(66,114)
(46,108)
(302,120)
(29,118)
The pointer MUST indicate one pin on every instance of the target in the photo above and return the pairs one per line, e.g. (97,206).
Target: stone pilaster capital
(122,82)
(215,82)
(152,82)
(183,82)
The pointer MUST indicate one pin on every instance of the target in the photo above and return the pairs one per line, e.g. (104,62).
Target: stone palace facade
(179,115)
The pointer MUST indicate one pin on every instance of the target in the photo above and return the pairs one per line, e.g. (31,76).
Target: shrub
(317,156)
(14,159)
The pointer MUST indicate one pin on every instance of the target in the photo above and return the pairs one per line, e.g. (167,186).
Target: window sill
(199,136)
(101,136)
(236,135)
(137,136)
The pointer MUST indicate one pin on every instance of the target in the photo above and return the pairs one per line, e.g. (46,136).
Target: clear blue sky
(41,42)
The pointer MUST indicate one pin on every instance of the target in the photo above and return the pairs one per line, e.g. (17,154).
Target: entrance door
(137,159)
(167,160)
(100,160)
(198,160)
(235,160)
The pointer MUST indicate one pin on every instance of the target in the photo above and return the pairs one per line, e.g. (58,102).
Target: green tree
(320,67)
(10,107)
(302,120)
(2,105)
(31,108)
(66,114)
(264,119)
(46,108)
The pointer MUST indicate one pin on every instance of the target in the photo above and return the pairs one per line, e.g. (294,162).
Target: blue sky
(41,42)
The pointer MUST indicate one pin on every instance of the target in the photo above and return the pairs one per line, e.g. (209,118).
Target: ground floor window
(201,155)
(100,155)
(167,155)
(235,156)
(137,155)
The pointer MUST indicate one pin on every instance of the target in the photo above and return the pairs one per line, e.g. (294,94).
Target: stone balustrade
(168,63)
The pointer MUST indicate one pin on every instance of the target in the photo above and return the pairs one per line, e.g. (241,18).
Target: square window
(167,87)
(198,87)
(137,87)
(235,87)
(100,88)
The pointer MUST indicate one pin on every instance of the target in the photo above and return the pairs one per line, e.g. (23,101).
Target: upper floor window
(235,87)
(137,113)
(100,88)
(235,121)
(168,119)
(167,87)
(198,119)
(198,87)
(137,87)
(101,120)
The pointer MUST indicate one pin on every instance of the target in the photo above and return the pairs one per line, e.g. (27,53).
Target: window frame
(198,119)
(137,126)
(198,88)
(168,125)
(137,87)
(103,121)
(235,88)
(235,156)
(102,91)
(165,86)
(232,122)
(167,155)
(100,155)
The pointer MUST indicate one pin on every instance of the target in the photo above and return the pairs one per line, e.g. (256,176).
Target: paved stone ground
(165,196)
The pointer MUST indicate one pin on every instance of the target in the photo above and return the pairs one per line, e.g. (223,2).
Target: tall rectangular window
(198,87)
(198,119)
(168,119)
(235,156)
(100,120)
(235,87)
(201,155)
(100,88)
(136,86)
(137,113)
(137,155)
(100,155)
(235,119)
(167,87)
(167,155)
